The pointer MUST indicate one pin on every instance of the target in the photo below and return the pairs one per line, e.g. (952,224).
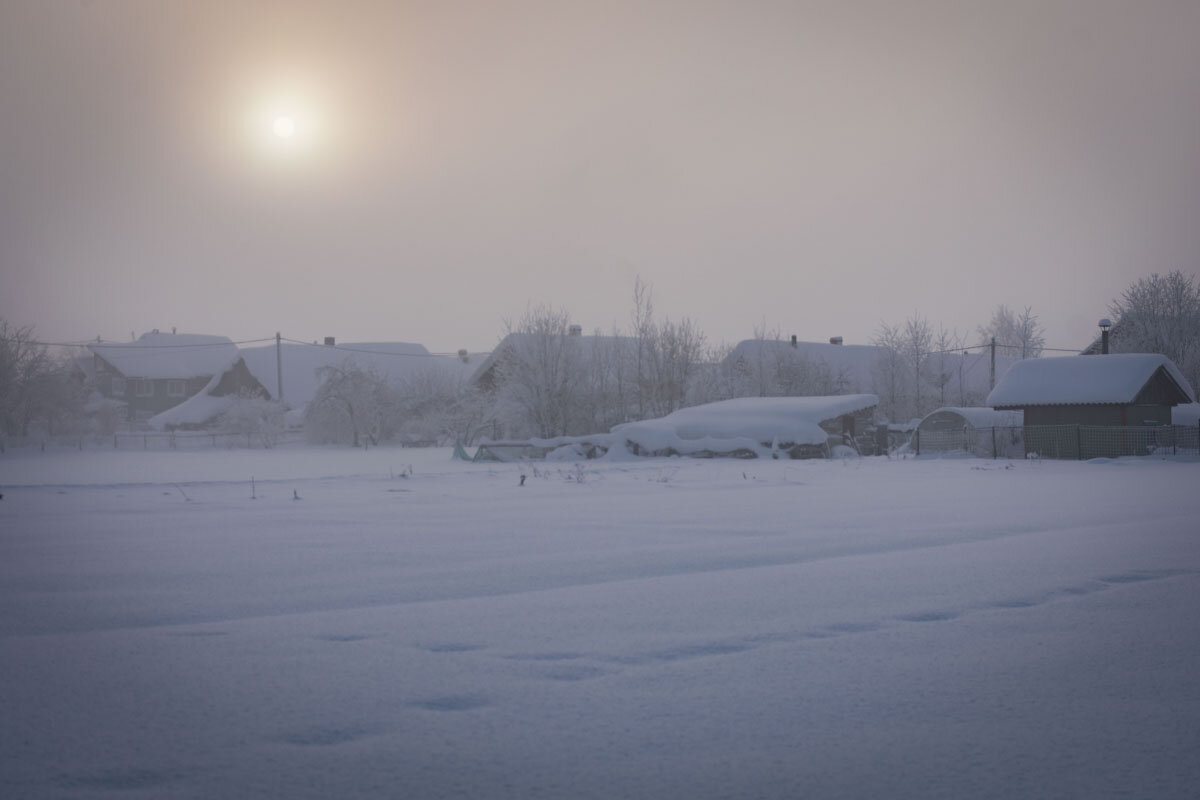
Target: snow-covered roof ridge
(1082,380)
(170,355)
(745,420)
(394,361)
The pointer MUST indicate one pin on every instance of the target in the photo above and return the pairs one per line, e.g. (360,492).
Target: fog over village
(578,400)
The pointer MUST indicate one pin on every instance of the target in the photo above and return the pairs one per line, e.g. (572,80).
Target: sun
(284,127)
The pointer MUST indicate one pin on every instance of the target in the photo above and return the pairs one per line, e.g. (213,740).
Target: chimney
(462,355)
(835,340)
(575,330)
(1105,324)
(793,340)
(330,341)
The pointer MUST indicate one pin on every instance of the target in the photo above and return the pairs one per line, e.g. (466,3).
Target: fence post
(994,454)
(918,435)
(1079,442)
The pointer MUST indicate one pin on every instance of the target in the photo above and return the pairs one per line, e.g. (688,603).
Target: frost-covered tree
(666,356)
(916,342)
(352,405)
(255,416)
(438,406)
(37,390)
(540,374)
(1020,336)
(942,367)
(1160,314)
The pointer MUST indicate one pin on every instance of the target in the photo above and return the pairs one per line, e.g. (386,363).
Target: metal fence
(1076,442)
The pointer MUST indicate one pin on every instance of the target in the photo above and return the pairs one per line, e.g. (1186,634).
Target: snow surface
(1113,378)
(170,355)
(658,628)
(744,422)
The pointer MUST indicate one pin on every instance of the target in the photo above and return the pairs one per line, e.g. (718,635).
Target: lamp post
(1105,324)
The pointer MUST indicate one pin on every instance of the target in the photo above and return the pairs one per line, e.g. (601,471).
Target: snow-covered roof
(744,422)
(170,355)
(198,409)
(586,345)
(1082,380)
(854,364)
(394,361)
(978,417)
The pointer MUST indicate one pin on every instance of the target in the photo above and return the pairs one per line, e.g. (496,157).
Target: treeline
(545,380)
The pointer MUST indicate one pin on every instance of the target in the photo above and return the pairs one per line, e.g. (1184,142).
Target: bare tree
(944,363)
(916,342)
(1019,335)
(37,391)
(1161,314)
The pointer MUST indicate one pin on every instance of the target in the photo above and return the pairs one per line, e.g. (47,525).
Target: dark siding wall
(1073,415)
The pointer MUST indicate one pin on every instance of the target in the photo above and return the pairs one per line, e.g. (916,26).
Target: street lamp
(1105,324)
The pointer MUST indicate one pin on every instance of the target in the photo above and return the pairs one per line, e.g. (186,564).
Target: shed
(1087,406)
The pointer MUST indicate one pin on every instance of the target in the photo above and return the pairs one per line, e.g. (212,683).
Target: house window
(118,386)
(175,388)
(143,387)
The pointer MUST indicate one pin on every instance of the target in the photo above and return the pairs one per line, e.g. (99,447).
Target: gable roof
(483,374)
(394,361)
(170,355)
(1086,380)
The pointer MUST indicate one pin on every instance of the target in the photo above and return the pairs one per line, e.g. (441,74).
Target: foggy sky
(814,166)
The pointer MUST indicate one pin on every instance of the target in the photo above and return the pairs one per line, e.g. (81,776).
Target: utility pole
(278,367)
(993,362)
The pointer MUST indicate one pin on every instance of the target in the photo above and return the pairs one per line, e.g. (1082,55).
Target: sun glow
(284,127)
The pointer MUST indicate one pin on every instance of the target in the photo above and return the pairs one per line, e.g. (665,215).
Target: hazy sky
(819,166)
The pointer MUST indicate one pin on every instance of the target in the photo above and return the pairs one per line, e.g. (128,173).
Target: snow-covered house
(1068,402)
(983,432)
(159,371)
(764,427)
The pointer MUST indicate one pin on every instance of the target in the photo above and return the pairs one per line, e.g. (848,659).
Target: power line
(373,352)
(136,346)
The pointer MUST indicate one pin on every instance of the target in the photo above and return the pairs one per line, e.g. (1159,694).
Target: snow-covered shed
(1121,389)
(765,427)
(1091,406)
(983,432)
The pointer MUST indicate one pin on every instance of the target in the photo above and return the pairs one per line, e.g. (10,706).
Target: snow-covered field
(649,629)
